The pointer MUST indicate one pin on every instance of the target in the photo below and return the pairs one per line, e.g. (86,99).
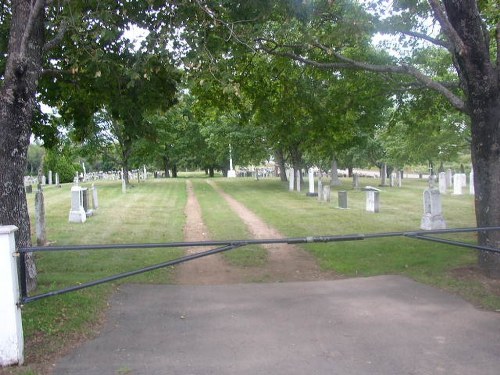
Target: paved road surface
(380,325)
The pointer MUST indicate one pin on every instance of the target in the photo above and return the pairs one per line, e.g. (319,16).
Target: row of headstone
(458,181)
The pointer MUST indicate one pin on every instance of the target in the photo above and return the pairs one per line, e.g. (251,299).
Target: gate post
(11,329)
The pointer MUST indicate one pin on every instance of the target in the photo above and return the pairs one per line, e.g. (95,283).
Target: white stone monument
(77,213)
(291,179)
(433,217)
(50,177)
(320,189)
(231,173)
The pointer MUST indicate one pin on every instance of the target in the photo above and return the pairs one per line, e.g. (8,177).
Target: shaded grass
(296,215)
(223,223)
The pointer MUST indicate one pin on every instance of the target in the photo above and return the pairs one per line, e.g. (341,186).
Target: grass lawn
(154,212)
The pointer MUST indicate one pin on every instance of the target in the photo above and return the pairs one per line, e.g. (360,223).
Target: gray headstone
(342,199)
(326,193)
(355,181)
(320,189)
(41,233)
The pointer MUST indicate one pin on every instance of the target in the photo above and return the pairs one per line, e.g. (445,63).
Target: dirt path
(285,262)
(208,270)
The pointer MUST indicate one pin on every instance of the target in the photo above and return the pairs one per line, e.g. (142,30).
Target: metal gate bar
(226,246)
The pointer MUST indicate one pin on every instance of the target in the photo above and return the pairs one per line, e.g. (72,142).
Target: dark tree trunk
(486,162)
(174,171)
(17,105)
(211,172)
(166,167)
(280,160)
(480,78)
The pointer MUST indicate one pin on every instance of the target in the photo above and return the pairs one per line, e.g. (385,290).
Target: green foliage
(61,163)
(35,158)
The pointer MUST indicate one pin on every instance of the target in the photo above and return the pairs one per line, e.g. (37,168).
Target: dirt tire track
(208,270)
(285,262)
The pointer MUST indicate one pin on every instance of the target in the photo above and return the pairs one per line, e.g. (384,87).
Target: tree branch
(58,38)
(435,41)
(36,9)
(346,63)
(447,27)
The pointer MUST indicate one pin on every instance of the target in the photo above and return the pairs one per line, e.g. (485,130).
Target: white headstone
(320,189)
(50,177)
(400,178)
(57,179)
(311,181)
(457,184)
(442,183)
(291,179)
(372,201)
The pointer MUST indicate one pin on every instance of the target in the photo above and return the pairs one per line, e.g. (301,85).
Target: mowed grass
(149,212)
(296,215)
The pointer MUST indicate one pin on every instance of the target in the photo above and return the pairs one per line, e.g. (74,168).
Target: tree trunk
(174,170)
(166,167)
(280,159)
(479,75)
(485,150)
(17,104)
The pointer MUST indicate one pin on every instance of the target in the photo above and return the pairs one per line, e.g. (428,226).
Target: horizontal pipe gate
(222,246)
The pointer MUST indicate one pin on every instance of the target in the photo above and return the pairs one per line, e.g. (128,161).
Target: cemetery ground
(154,211)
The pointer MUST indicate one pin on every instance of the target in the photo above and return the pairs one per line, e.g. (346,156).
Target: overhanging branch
(347,63)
